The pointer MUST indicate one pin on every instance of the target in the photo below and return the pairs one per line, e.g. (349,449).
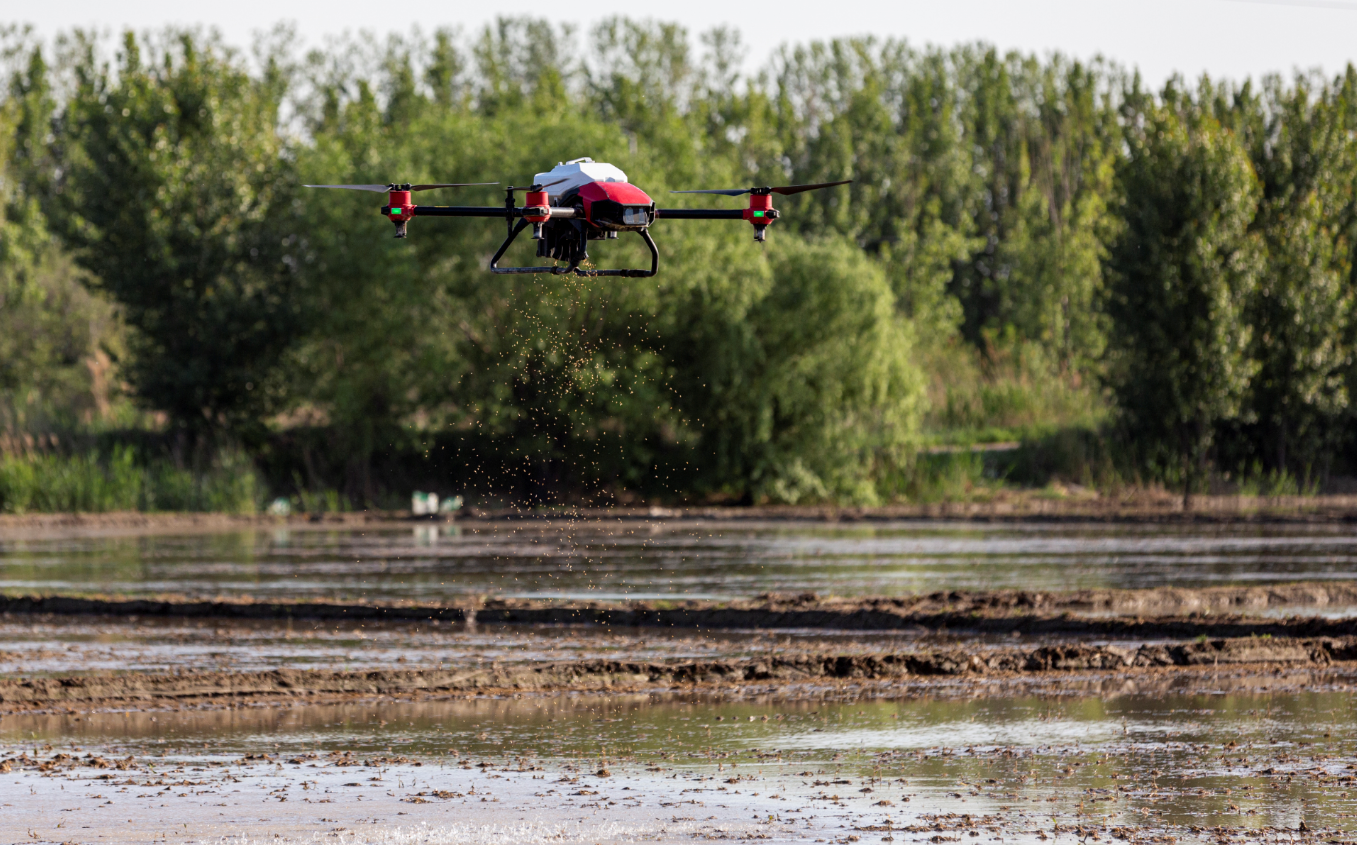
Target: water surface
(1169,763)
(635,559)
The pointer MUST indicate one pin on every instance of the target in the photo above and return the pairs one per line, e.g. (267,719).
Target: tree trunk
(1188,471)
(1281,449)
(1195,460)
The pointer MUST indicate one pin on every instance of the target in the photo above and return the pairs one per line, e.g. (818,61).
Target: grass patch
(1004,395)
(94,483)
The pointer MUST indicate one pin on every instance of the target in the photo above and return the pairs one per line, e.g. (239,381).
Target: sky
(1225,38)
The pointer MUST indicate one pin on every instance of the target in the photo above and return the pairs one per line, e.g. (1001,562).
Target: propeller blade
(450,185)
(381,189)
(725,192)
(786,190)
(540,187)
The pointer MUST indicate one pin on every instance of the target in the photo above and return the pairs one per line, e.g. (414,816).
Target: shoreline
(1142,507)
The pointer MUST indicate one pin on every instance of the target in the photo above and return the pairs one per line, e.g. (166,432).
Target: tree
(795,373)
(176,197)
(1053,255)
(55,336)
(1302,302)
(1183,270)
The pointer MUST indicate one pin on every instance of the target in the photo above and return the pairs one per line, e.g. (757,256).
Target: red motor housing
(537,207)
(759,206)
(399,209)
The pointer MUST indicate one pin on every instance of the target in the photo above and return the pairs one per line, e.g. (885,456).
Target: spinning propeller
(760,211)
(785,190)
(399,208)
(536,186)
(381,189)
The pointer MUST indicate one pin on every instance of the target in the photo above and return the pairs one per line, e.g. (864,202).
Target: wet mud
(594,675)
(1175,613)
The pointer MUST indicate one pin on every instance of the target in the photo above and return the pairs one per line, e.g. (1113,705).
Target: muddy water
(674,559)
(1025,766)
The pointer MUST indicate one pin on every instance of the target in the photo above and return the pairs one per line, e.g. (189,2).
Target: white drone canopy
(577,173)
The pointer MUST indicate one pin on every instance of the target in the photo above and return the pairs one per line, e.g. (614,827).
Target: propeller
(381,189)
(785,190)
(540,187)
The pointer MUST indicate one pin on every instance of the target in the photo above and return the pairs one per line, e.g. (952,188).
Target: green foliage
(1009,391)
(1030,250)
(87,482)
(1055,248)
(1184,269)
(958,475)
(800,374)
(173,192)
(57,338)
(1304,159)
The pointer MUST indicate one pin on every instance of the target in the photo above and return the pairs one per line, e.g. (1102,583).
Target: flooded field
(693,560)
(1217,716)
(1206,767)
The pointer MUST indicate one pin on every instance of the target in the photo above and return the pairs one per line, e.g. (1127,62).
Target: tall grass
(1009,393)
(92,483)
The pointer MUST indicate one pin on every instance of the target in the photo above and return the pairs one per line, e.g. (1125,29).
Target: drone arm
(485,211)
(457,211)
(700,213)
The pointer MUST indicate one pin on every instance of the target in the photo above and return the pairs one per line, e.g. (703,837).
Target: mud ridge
(1160,613)
(620,674)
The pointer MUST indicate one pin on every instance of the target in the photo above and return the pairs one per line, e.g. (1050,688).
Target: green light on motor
(395,212)
(758,214)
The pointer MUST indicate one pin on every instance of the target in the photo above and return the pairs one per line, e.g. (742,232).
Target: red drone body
(577,202)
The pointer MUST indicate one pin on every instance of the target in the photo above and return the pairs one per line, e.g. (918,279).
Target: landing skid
(573,267)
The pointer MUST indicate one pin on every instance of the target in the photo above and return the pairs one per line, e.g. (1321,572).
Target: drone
(576,202)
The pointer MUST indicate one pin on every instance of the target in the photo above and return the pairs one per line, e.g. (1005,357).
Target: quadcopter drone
(576,202)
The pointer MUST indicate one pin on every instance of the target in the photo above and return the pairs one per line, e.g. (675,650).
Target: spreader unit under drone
(577,202)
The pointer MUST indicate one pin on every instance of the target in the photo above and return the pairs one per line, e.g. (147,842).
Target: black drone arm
(700,213)
(484,211)
(457,211)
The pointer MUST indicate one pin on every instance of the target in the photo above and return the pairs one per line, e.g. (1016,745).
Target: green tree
(176,196)
(1183,270)
(1302,154)
(56,338)
(795,373)
(1053,254)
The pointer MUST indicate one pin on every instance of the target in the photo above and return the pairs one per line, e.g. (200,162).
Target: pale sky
(1233,38)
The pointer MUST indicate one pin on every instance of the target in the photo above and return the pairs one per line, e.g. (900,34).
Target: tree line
(1181,258)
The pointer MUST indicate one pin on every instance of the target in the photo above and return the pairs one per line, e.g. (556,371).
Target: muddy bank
(617,675)
(1145,614)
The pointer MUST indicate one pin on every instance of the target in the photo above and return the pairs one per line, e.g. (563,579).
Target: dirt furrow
(1172,613)
(615,674)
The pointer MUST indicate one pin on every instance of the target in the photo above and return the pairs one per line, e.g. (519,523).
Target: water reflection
(1241,760)
(694,560)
